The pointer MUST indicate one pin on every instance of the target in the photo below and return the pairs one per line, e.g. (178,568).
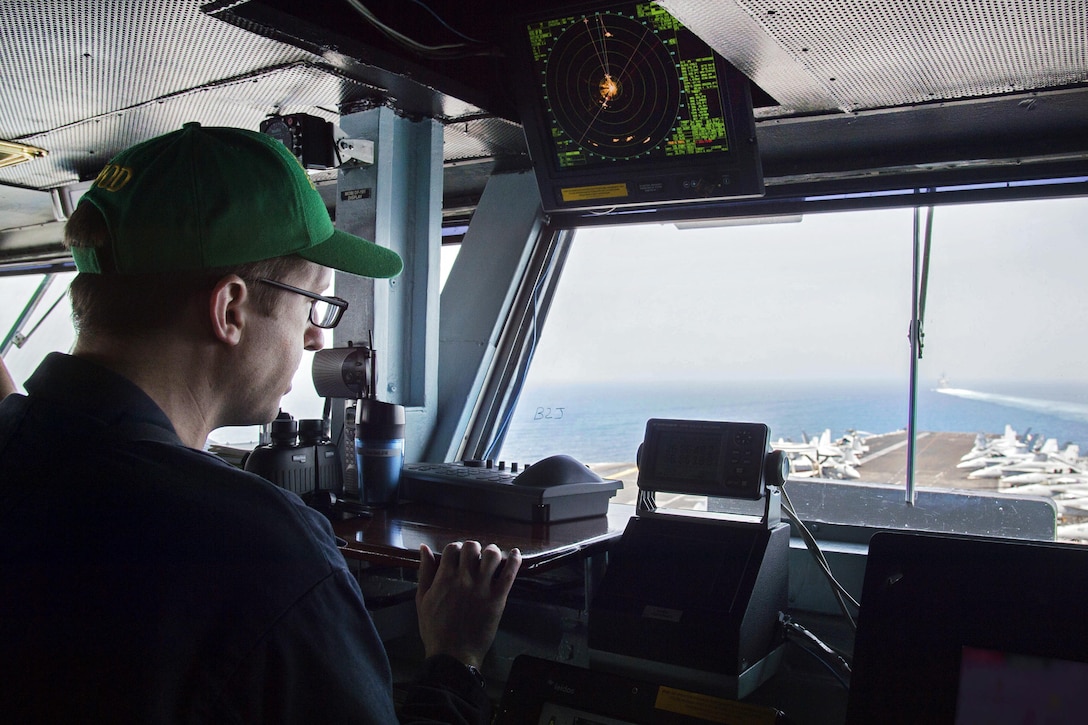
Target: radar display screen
(627,88)
(620,86)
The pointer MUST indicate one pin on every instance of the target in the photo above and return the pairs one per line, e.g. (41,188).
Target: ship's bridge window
(805,326)
(35,319)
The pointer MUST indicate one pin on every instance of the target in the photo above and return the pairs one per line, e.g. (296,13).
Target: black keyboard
(474,486)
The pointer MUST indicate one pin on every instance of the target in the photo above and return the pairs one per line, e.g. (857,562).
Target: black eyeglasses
(325,312)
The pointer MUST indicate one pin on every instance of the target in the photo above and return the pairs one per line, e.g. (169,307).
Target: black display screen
(709,458)
(690,456)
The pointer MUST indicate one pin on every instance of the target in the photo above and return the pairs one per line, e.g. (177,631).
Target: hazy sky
(828,298)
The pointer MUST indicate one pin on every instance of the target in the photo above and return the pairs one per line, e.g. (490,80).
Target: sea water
(605,422)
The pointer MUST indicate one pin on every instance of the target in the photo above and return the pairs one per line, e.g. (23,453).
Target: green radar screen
(621,84)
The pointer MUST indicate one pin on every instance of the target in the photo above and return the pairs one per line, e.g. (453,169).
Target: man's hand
(461,599)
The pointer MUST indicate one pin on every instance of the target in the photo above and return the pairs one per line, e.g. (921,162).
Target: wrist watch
(476,673)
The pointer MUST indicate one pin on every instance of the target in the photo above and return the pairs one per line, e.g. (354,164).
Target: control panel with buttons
(554,489)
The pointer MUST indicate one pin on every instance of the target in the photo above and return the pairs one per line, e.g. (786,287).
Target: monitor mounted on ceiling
(624,107)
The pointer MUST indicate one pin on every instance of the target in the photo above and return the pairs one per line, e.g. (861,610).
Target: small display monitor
(624,106)
(706,458)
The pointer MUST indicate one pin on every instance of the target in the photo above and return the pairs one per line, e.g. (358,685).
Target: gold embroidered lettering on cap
(113,177)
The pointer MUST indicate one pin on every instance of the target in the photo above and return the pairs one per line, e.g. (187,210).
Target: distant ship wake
(1059,409)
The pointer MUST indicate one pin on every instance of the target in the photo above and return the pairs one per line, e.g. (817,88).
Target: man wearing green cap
(145,580)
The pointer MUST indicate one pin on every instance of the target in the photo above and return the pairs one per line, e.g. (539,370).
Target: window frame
(957,511)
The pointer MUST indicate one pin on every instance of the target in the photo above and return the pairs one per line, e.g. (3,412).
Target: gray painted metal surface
(396,202)
(477,298)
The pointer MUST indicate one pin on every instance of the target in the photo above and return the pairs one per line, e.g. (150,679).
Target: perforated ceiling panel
(73,52)
(481,138)
(821,55)
(79,149)
(63,60)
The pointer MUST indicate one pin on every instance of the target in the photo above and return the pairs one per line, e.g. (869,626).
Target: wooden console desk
(392,536)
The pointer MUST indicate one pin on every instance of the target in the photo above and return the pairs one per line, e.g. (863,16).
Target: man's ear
(227,308)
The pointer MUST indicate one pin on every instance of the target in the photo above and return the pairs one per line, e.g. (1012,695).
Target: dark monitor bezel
(736,472)
(650,182)
(927,596)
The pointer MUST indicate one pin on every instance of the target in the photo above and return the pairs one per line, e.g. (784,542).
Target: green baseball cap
(205,197)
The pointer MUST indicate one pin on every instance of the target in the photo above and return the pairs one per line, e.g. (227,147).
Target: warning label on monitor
(597,191)
(712,709)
